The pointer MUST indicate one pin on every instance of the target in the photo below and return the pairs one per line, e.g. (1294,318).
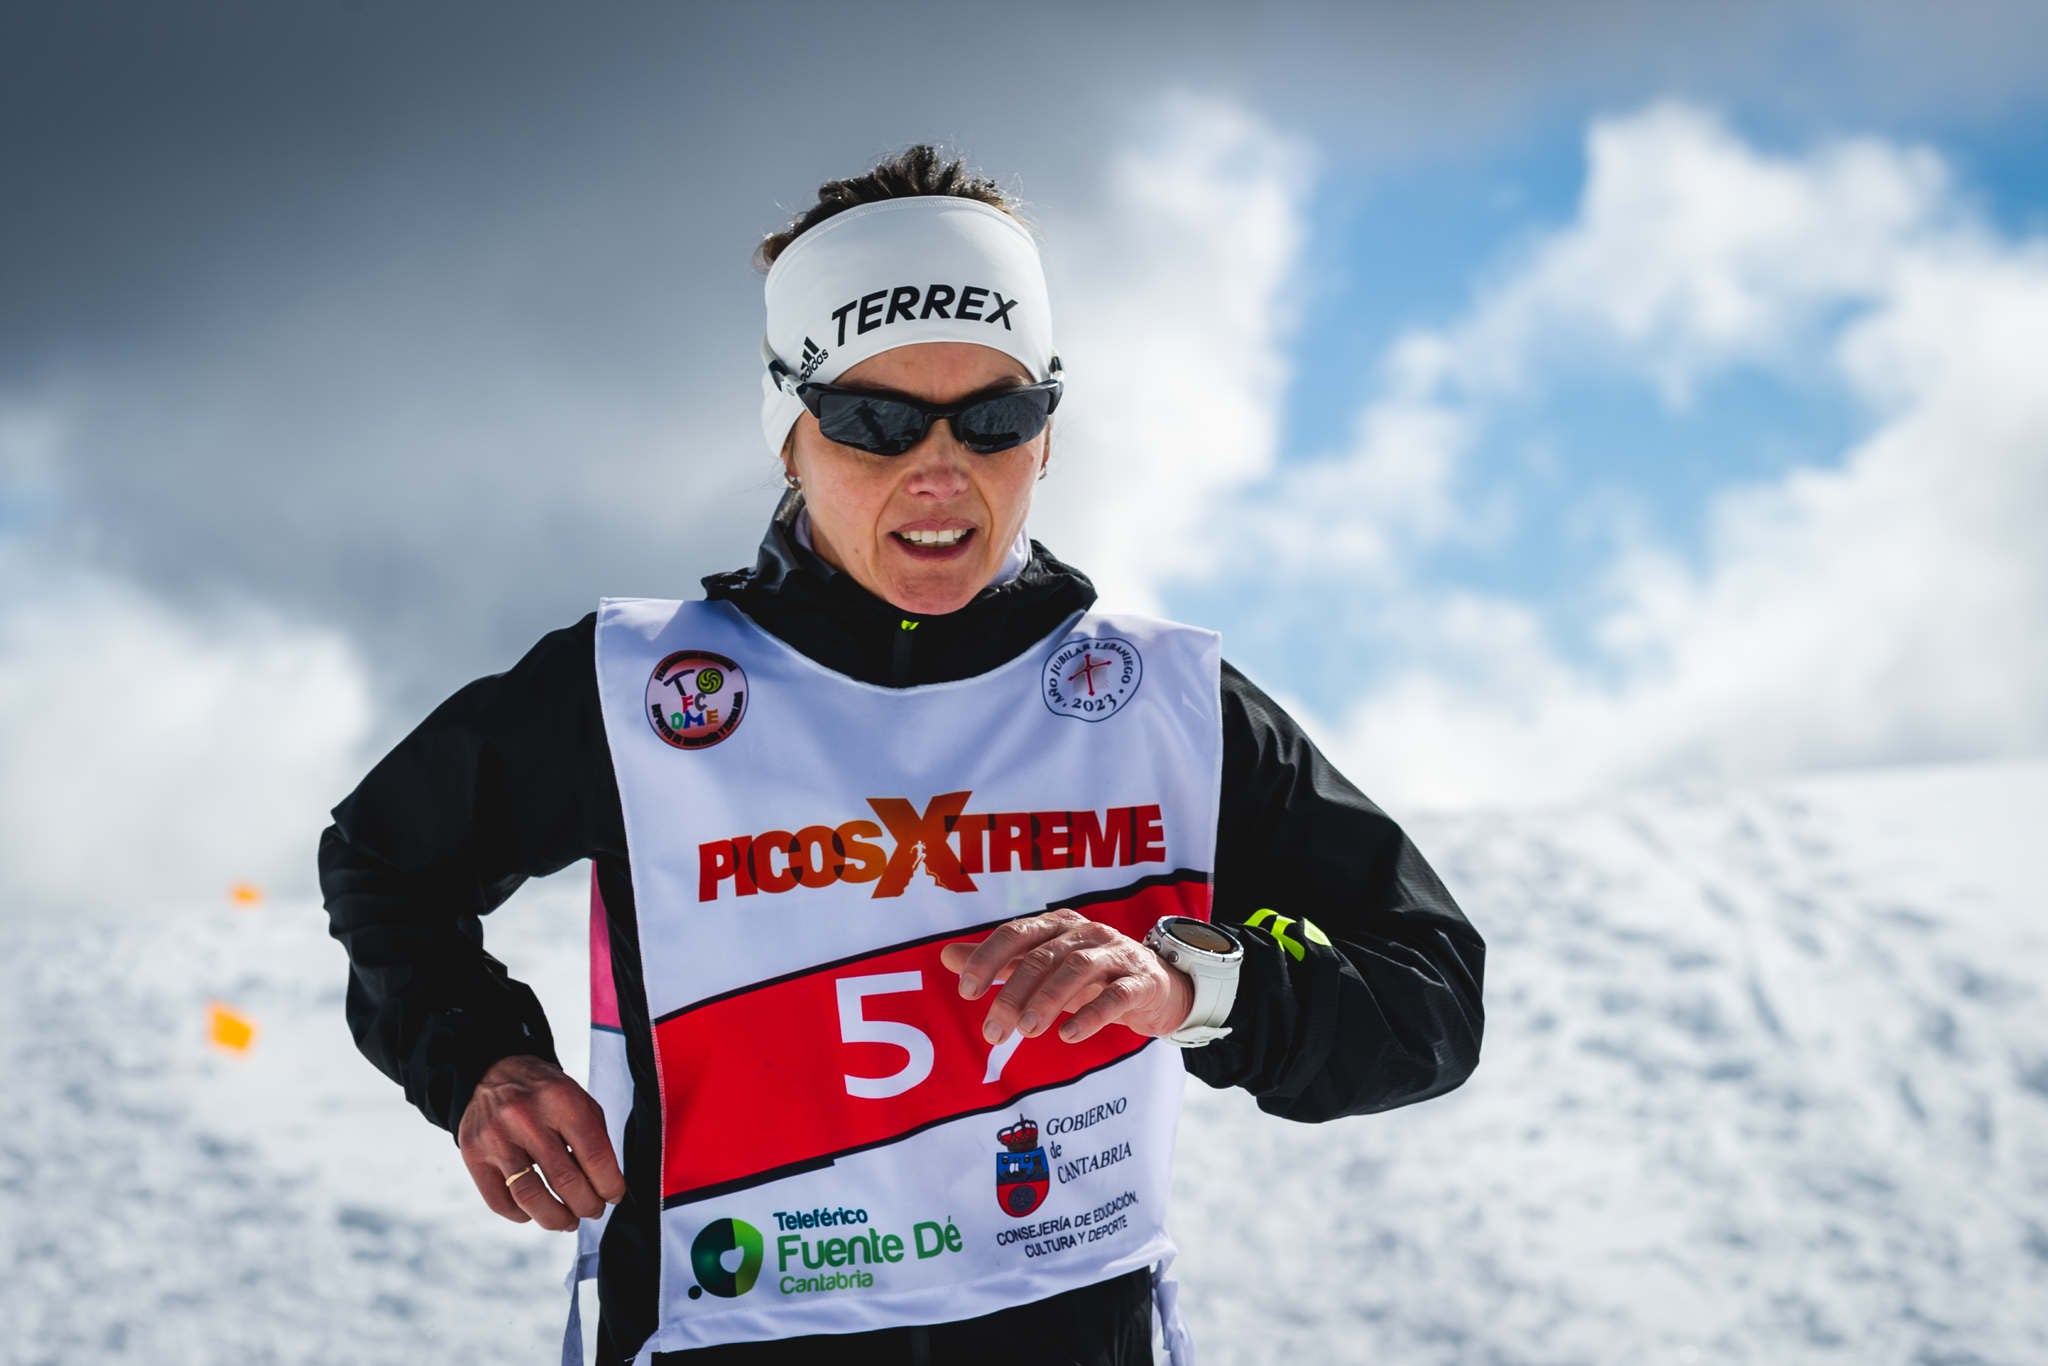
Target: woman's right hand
(526,1111)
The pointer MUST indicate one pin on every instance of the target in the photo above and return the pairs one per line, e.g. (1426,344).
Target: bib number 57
(855,1026)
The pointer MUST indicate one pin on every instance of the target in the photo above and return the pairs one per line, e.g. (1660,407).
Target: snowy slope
(1765,1079)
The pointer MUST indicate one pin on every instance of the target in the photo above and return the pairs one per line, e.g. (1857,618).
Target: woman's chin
(935,595)
(927,583)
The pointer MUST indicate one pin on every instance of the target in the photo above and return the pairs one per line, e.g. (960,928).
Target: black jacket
(511,778)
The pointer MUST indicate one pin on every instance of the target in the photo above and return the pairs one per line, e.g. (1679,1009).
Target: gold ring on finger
(516,1175)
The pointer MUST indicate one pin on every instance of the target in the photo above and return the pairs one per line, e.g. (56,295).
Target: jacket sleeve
(495,786)
(1360,989)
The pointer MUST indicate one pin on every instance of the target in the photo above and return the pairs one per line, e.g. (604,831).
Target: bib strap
(1180,1344)
(581,1266)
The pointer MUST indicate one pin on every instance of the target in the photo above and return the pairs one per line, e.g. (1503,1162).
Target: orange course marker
(245,894)
(230,1028)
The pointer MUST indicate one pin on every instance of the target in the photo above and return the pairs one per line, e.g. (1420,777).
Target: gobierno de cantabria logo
(726,1255)
(696,698)
(1021,1176)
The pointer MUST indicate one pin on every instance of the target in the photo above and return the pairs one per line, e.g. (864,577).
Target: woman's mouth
(934,545)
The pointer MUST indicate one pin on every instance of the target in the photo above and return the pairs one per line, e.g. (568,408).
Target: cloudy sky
(1540,400)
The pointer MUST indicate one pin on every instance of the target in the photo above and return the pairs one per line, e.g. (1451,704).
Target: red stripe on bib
(793,1073)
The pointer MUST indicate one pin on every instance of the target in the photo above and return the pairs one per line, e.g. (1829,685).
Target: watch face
(1198,934)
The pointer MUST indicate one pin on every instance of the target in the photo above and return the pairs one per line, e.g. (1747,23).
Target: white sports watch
(1210,955)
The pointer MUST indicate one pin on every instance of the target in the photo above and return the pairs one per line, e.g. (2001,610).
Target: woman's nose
(939,462)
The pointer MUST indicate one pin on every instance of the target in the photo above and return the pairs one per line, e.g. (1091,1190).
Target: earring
(1042,469)
(792,480)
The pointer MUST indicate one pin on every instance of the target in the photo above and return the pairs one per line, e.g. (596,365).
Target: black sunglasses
(888,423)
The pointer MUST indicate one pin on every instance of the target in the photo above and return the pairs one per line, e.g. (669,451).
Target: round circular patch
(1091,679)
(696,698)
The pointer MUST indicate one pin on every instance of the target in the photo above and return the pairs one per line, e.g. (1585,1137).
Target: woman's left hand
(1062,961)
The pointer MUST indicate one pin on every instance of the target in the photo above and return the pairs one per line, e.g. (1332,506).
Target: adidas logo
(814,356)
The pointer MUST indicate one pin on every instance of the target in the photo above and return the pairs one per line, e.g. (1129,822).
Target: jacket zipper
(899,656)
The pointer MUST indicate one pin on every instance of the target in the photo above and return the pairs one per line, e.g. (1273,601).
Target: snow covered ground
(1765,1079)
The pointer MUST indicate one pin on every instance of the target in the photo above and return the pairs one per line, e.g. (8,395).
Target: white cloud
(156,753)
(1173,309)
(1693,251)
(1392,491)
(1888,609)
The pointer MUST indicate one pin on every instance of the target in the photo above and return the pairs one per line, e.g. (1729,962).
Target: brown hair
(916,171)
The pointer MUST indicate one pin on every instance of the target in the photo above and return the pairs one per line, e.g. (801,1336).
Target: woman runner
(919,879)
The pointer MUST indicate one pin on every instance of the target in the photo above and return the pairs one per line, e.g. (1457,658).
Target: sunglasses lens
(888,426)
(998,423)
(873,423)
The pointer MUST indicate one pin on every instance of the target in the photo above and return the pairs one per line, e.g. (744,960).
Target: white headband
(898,272)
